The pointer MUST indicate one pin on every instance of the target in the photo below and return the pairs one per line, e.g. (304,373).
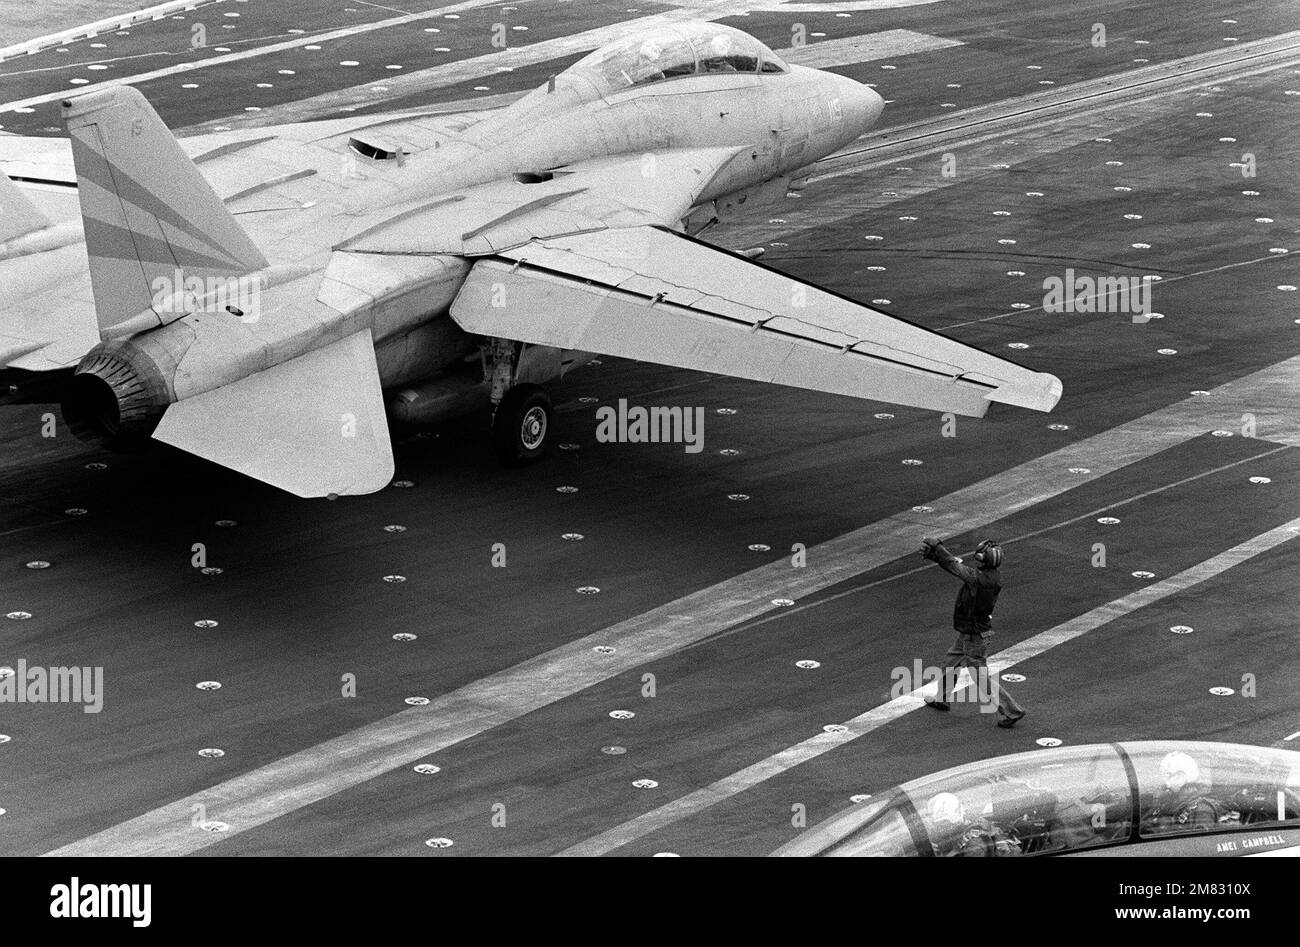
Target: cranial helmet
(989,553)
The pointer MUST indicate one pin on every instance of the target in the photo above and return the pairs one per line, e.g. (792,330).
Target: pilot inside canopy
(722,53)
(675,52)
(652,58)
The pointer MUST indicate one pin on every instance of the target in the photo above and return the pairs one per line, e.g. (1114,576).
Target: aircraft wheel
(522,423)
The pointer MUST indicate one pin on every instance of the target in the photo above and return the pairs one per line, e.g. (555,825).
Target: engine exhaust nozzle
(116,397)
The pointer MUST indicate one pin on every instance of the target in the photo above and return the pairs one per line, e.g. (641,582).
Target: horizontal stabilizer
(47,160)
(47,320)
(314,426)
(17,215)
(649,294)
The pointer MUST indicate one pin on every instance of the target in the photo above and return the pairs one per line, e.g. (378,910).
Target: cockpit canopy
(1051,801)
(685,49)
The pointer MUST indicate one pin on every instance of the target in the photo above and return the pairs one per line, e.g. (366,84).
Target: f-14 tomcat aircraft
(266,298)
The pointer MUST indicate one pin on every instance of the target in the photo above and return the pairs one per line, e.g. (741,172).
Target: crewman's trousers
(971,651)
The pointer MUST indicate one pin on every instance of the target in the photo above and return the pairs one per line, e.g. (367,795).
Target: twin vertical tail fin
(150,215)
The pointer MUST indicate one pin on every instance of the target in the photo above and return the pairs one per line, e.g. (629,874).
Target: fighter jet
(269,298)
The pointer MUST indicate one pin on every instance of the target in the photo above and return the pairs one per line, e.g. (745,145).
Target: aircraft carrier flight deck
(633,648)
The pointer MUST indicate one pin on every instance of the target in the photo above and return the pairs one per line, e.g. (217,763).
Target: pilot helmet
(1178,769)
(946,807)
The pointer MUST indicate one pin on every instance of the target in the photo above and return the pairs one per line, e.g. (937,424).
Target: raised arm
(935,551)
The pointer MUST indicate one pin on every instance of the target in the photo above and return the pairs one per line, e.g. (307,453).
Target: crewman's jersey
(973,613)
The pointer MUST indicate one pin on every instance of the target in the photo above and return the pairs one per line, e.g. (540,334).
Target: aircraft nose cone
(862,106)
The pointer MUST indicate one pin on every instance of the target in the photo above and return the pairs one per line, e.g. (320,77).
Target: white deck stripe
(925,567)
(344,762)
(867,47)
(297,42)
(751,776)
(107,25)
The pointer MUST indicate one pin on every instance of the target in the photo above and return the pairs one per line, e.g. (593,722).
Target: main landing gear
(521,424)
(521,414)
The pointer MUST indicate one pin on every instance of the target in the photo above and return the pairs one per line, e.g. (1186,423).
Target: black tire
(522,425)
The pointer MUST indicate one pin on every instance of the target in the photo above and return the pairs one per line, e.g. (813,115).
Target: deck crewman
(972,619)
